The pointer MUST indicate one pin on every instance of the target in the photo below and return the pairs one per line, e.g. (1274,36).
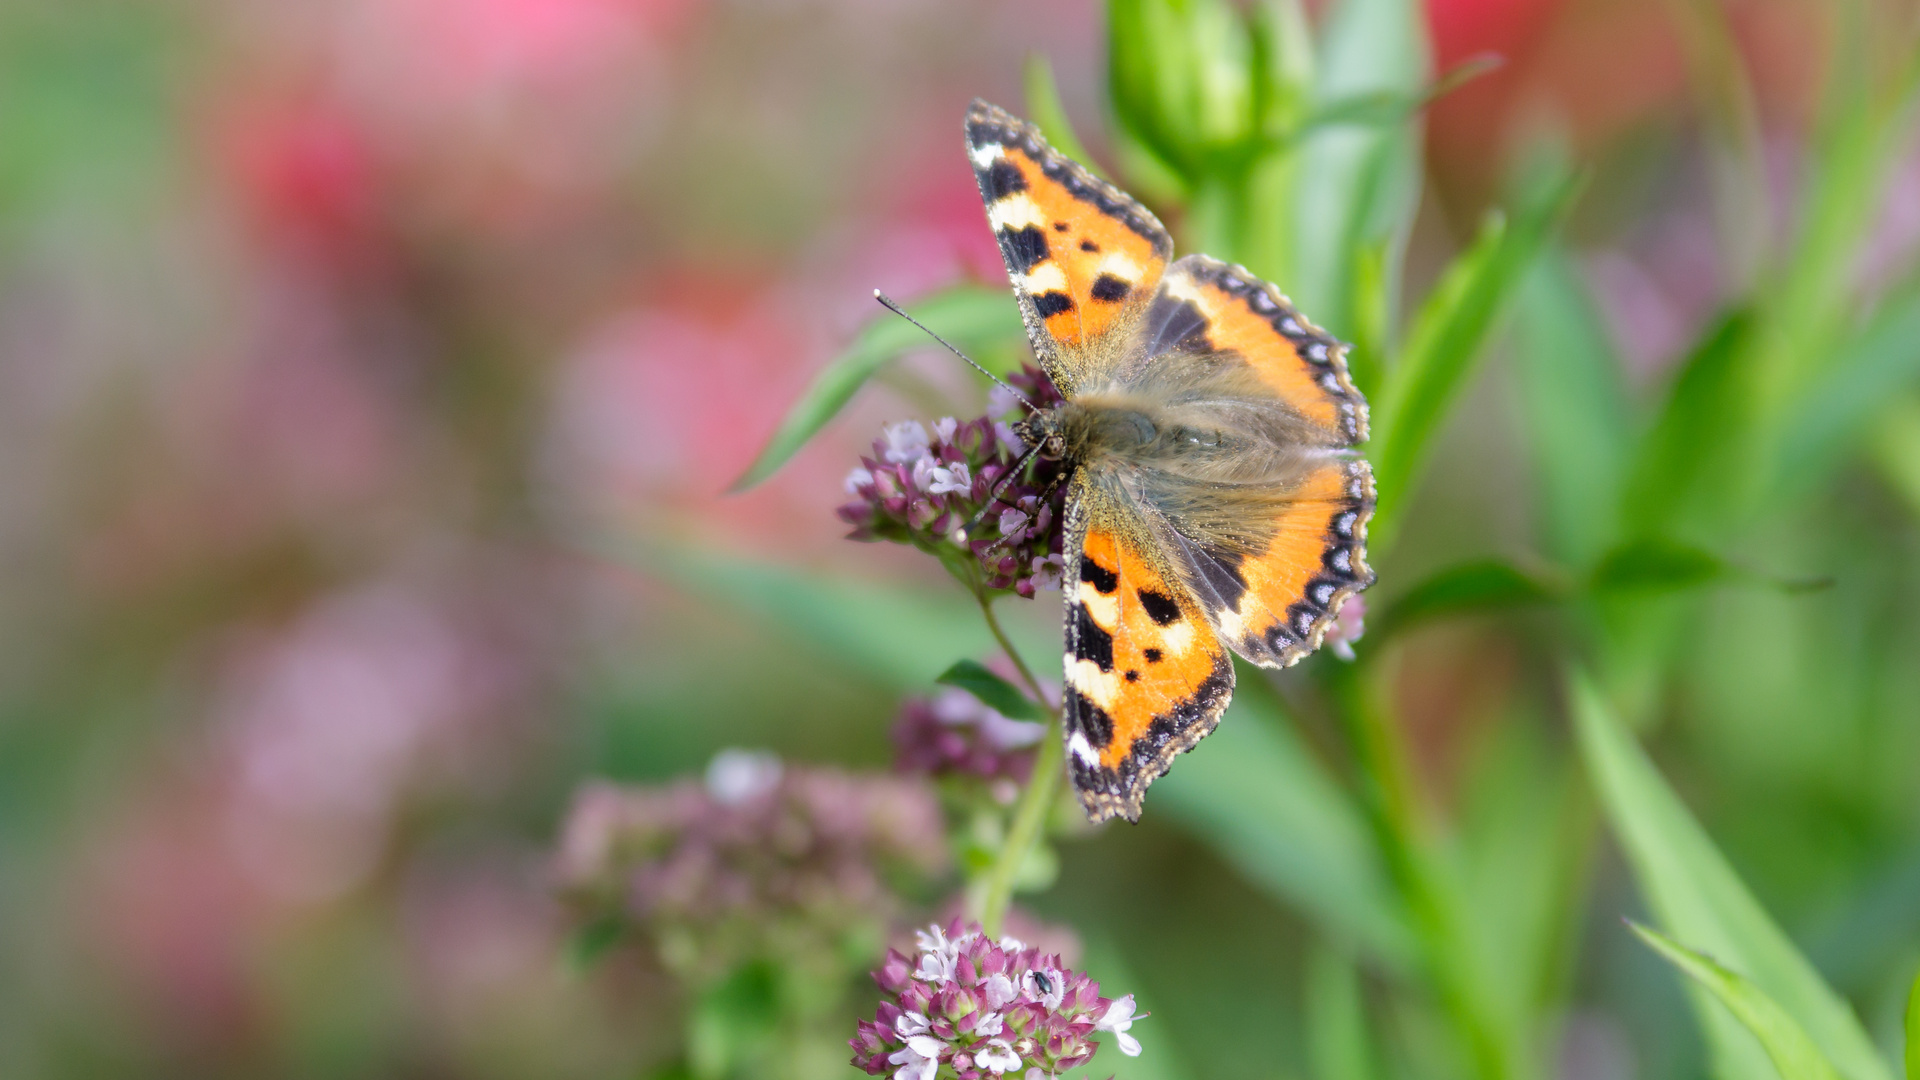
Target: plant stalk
(1036,801)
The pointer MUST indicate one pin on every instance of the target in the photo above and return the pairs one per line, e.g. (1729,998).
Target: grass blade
(1469,588)
(1688,469)
(1447,338)
(1793,1053)
(1697,896)
(1574,409)
(970,316)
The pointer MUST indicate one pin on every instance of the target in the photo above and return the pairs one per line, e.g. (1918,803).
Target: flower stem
(1006,646)
(1030,813)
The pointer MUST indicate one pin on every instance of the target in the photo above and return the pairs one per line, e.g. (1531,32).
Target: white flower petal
(998,991)
(926,1046)
(998,1057)
(1012,521)
(906,441)
(990,1024)
(911,1024)
(858,479)
(1010,943)
(944,428)
(1129,1045)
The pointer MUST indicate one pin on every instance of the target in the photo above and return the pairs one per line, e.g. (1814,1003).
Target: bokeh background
(371,373)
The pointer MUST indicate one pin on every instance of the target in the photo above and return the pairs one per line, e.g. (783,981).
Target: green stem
(1030,813)
(1436,909)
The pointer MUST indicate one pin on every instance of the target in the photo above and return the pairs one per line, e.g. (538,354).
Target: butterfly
(1215,501)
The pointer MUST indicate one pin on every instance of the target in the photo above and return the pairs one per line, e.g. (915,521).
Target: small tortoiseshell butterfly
(1215,499)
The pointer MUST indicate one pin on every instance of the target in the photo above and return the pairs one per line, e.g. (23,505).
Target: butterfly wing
(1084,257)
(1272,597)
(1146,676)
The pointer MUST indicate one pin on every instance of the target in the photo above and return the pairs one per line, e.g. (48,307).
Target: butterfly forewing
(1084,257)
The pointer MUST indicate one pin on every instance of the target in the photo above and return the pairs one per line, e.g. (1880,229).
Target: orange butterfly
(1215,498)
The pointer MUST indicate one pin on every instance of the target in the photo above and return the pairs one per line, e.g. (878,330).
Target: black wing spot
(1059,226)
(1089,719)
(1160,607)
(1088,245)
(1153,656)
(1049,304)
(1176,325)
(1025,247)
(1102,578)
(1109,288)
(1089,641)
(1132,675)
(1002,179)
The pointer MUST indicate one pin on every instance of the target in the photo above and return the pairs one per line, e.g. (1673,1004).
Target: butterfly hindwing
(1146,676)
(1205,304)
(1084,257)
(1273,605)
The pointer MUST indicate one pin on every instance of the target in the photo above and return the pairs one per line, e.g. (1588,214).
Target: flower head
(925,489)
(757,860)
(956,734)
(977,1009)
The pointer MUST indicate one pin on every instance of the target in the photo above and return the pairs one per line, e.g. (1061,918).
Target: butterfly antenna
(887,302)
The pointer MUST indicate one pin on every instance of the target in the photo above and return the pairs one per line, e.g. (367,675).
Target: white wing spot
(1016,211)
(1047,277)
(1080,748)
(985,156)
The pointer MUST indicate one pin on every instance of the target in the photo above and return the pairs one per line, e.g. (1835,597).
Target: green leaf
(1047,112)
(590,944)
(1338,1044)
(1657,565)
(1469,588)
(970,316)
(1867,373)
(995,692)
(897,635)
(1913,1030)
(1358,187)
(1573,409)
(1688,469)
(1447,338)
(1268,807)
(1793,1053)
(1662,565)
(1697,896)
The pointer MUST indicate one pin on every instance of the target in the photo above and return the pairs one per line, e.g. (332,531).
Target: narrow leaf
(1474,587)
(1573,408)
(970,316)
(1913,1030)
(1688,467)
(590,944)
(1357,186)
(1338,1045)
(1698,897)
(1049,113)
(1865,375)
(1786,1042)
(1657,565)
(1448,338)
(993,691)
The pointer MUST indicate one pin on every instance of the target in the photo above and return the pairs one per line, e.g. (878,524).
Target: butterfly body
(1215,501)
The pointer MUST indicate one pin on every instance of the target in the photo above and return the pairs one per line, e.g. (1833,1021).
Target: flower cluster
(924,488)
(970,1008)
(759,859)
(956,734)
